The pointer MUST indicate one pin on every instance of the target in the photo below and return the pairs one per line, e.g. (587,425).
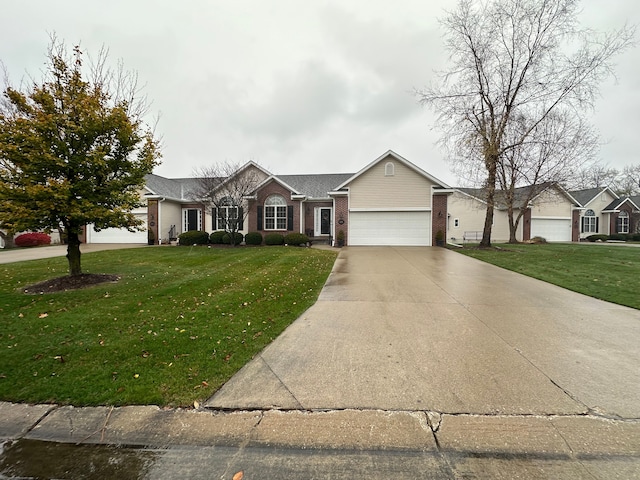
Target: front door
(323,221)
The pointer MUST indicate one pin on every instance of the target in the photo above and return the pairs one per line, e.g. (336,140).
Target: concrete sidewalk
(158,443)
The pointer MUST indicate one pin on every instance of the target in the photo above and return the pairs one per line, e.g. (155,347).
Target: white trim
(280,182)
(317,221)
(407,163)
(392,209)
(185,218)
(550,218)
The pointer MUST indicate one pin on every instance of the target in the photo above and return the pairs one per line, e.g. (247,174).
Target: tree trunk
(491,191)
(8,239)
(513,224)
(73,253)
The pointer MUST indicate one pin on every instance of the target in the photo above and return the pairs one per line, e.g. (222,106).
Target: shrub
(253,238)
(32,239)
(635,237)
(226,239)
(193,237)
(274,239)
(598,237)
(621,237)
(296,239)
(216,238)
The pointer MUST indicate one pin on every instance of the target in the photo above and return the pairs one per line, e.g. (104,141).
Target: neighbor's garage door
(553,230)
(118,235)
(390,228)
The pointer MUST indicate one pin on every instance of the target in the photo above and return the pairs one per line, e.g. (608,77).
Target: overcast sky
(298,86)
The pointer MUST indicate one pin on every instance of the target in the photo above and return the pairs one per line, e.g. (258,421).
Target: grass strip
(610,273)
(179,323)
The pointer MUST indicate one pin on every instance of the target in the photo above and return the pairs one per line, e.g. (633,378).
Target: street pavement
(414,363)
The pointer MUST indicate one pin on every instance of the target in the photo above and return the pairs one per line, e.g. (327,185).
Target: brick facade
(439,217)
(272,188)
(575,226)
(341,216)
(152,220)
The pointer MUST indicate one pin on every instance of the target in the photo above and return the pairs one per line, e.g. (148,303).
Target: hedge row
(624,237)
(221,237)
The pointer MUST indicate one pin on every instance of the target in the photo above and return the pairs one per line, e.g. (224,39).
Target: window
(275,213)
(623,222)
(589,222)
(389,169)
(228,216)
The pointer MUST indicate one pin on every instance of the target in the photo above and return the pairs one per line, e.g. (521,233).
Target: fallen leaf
(196,405)
(43,315)
(239,475)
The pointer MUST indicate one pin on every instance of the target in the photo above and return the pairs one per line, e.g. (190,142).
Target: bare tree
(593,176)
(513,60)
(224,188)
(627,182)
(558,147)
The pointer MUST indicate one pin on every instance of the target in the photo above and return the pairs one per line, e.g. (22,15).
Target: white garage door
(553,230)
(390,228)
(118,235)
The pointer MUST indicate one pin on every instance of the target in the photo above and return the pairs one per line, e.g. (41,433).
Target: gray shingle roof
(178,188)
(313,186)
(521,195)
(586,195)
(316,185)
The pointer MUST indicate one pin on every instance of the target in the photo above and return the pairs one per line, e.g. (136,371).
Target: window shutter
(240,218)
(290,217)
(582,221)
(597,228)
(260,213)
(214,218)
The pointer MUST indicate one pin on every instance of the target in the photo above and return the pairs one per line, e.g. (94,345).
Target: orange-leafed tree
(74,150)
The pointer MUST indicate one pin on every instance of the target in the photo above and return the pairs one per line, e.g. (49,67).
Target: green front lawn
(179,323)
(610,273)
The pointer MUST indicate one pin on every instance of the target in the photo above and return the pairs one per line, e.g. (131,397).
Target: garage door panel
(118,235)
(390,228)
(551,229)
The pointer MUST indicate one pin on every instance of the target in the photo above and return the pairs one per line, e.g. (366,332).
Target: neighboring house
(552,213)
(391,201)
(603,212)
(623,216)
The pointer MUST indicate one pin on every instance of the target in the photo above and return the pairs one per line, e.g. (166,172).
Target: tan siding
(471,214)
(171,214)
(551,203)
(405,189)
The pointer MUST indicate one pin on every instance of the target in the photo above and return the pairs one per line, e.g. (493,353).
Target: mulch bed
(62,284)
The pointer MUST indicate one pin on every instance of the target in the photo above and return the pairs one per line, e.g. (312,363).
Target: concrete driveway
(428,329)
(12,255)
